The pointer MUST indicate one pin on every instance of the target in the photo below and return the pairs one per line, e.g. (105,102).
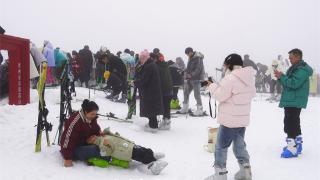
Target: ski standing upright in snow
(66,89)
(132,101)
(43,124)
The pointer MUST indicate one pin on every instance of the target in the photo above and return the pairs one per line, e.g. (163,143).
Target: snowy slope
(183,145)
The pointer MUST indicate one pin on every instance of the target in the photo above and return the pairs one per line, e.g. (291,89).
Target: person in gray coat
(194,74)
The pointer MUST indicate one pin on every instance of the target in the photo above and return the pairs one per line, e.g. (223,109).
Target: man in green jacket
(294,97)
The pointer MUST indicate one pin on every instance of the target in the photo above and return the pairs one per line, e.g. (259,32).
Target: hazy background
(261,28)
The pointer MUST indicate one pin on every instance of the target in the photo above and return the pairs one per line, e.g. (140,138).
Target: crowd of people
(158,81)
(234,93)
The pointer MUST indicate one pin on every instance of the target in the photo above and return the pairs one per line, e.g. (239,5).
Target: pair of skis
(190,113)
(66,89)
(132,98)
(43,124)
(112,117)
(132,102)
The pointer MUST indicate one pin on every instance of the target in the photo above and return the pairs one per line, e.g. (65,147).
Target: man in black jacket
(118,70)
(86,59)
(148,81)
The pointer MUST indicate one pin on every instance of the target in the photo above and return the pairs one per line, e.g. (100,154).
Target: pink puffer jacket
(234,93)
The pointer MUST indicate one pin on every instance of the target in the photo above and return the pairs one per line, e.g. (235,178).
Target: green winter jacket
(296,86)
(115,146)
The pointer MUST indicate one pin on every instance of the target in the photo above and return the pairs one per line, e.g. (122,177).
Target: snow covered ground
(183,145)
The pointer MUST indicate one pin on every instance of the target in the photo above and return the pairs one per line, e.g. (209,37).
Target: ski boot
(291,150)
(244,173)
(165,124)
(157,166)
(220,174)
(299,142)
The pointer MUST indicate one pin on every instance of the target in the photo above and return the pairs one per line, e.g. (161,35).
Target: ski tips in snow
(110,116)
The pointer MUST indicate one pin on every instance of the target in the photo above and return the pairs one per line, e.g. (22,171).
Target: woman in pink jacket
(234,93)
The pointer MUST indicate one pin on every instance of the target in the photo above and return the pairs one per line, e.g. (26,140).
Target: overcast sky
(261,28)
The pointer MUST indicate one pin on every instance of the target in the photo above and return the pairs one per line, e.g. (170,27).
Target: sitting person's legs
(84,153)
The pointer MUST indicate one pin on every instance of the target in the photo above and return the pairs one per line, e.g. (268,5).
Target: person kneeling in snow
(235,93)
(119,151)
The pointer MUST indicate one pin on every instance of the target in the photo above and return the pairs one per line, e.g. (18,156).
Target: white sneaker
(199,111)
(220,174)
(147,128)
(157,166)
(165,124)
(244,173)
(159,155)
(184,109)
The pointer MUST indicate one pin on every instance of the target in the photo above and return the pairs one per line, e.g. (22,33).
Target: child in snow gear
(294,97)
(122,151)
(193,75)
(233,116)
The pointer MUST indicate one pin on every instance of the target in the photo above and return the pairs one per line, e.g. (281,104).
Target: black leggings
(142,155)
(292,122)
